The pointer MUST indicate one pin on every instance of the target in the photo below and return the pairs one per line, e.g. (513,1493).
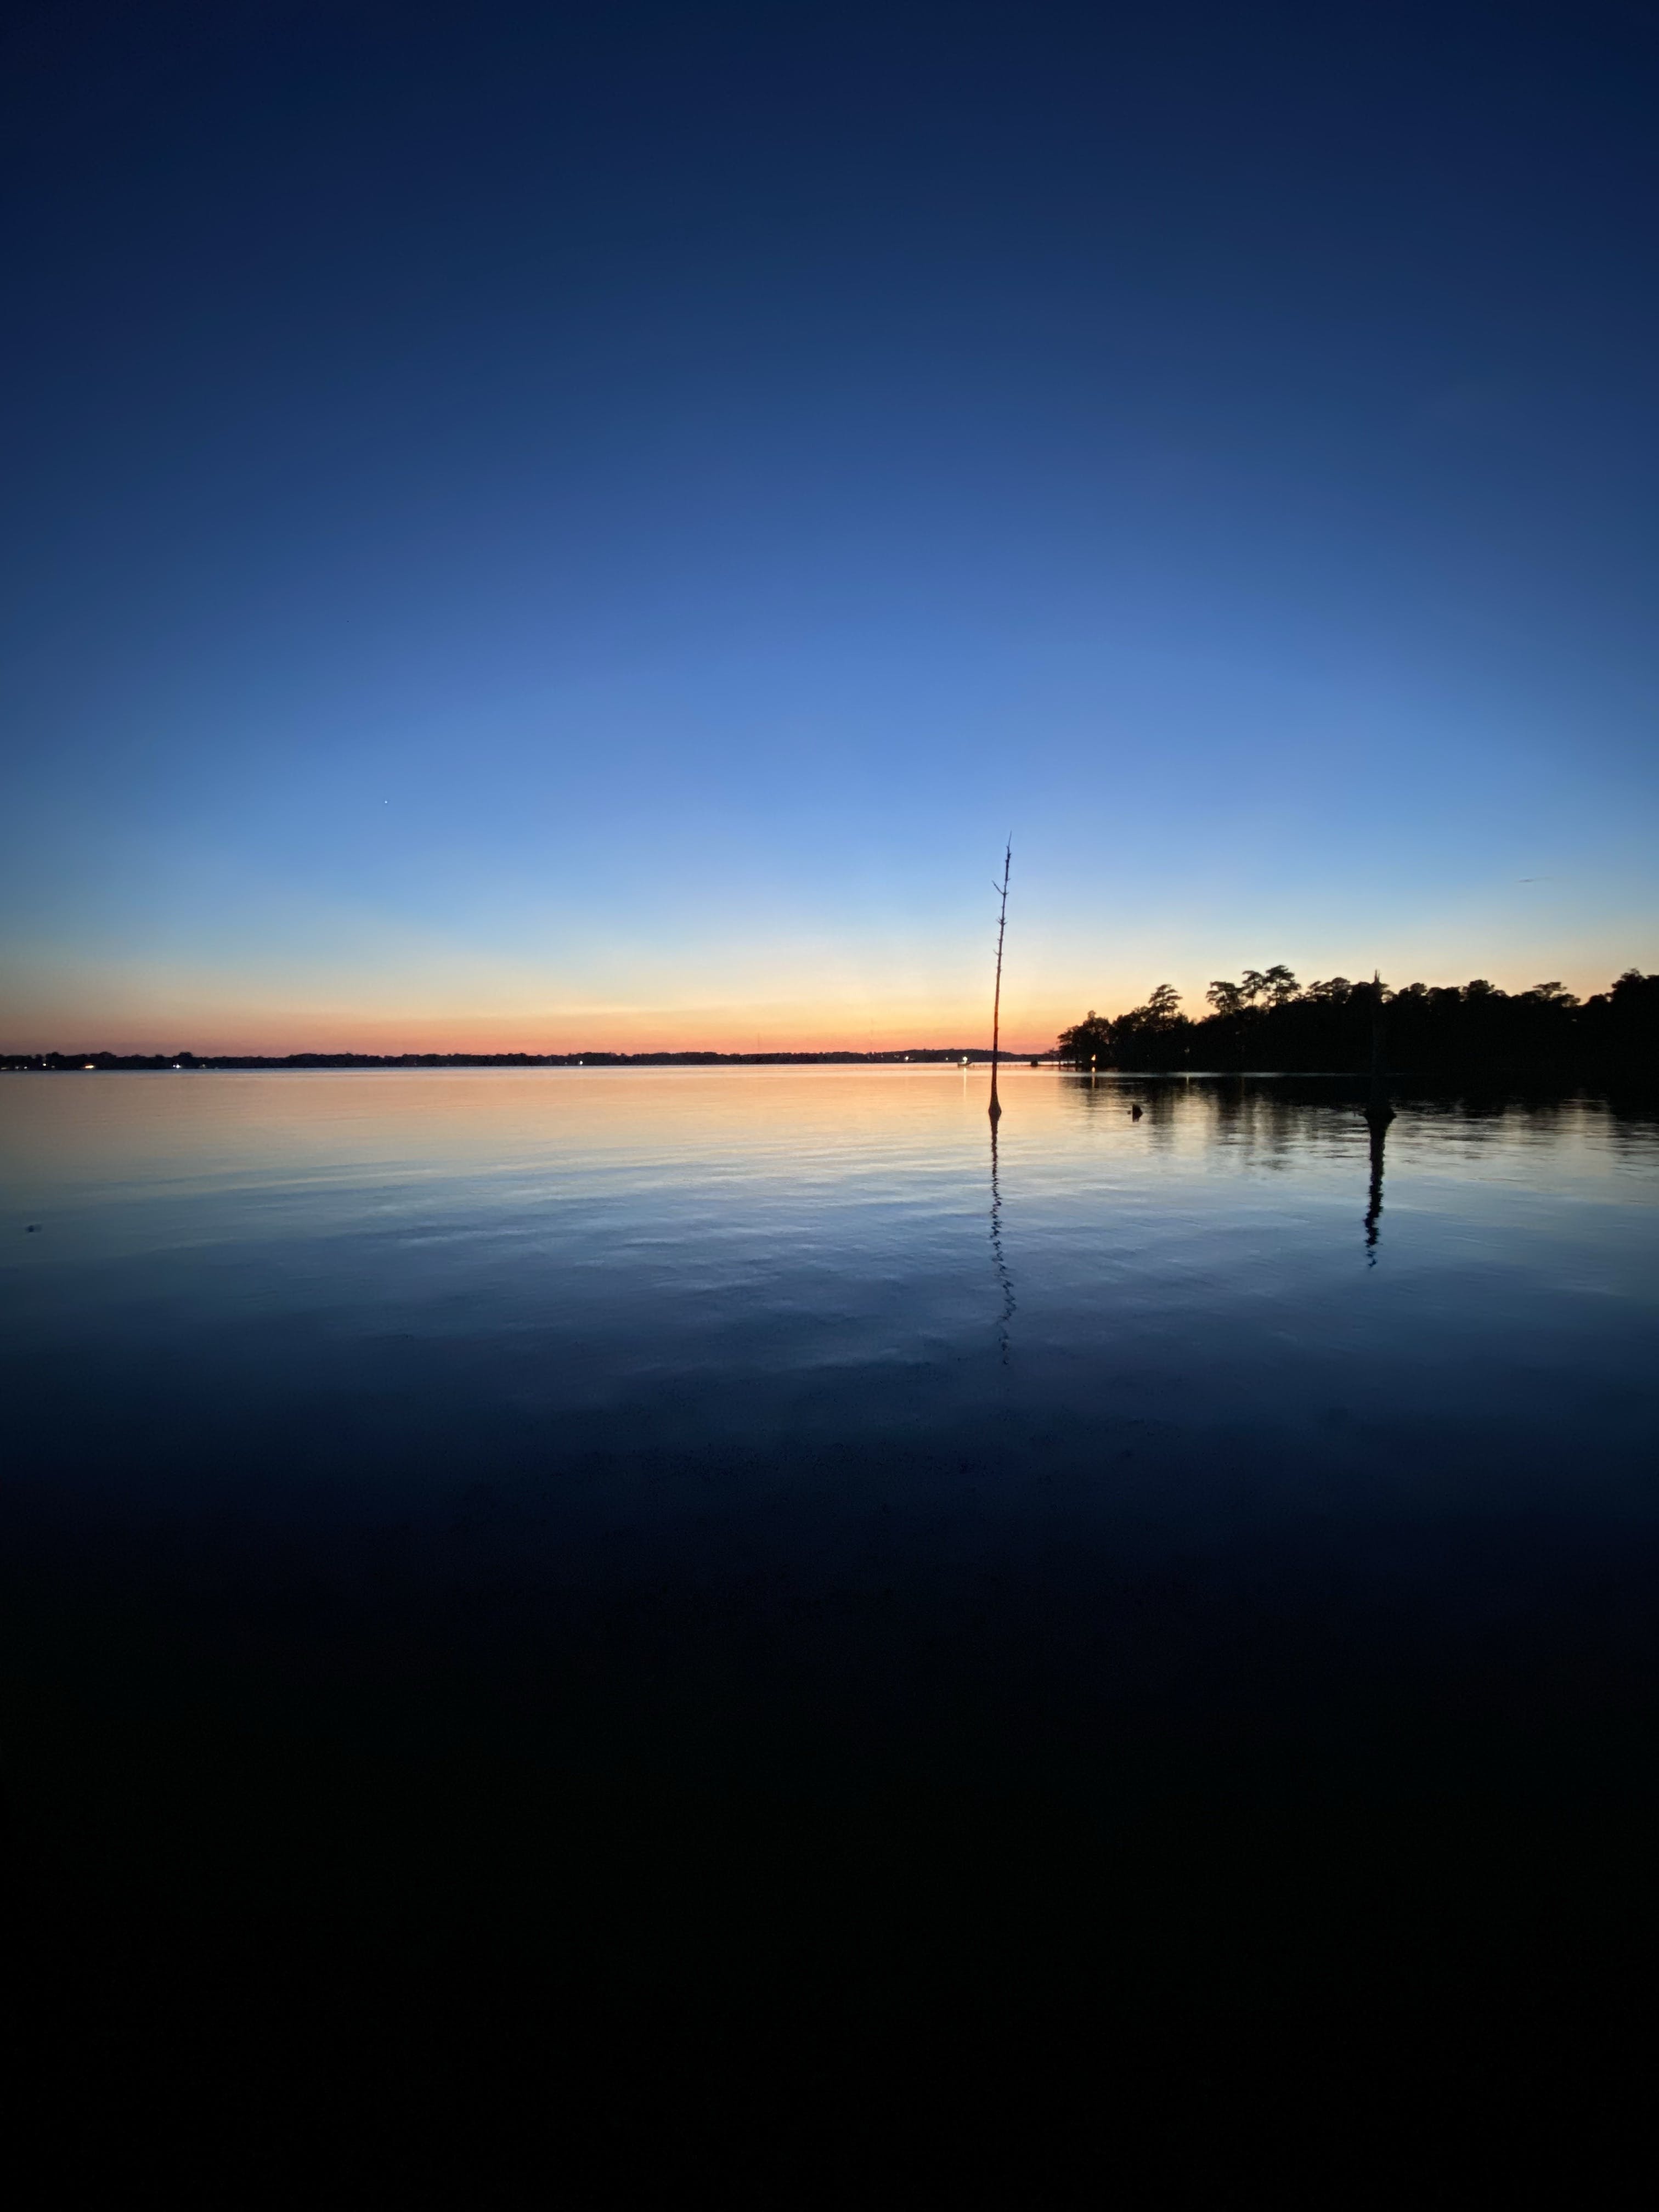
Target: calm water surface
(728,1531)
(761,1424)
(764,1269)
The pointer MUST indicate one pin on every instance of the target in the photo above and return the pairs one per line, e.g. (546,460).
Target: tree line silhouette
(1267,1020)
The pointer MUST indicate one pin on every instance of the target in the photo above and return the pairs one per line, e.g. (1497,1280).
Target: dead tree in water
(1378,1115)
(1378,1111)
(996,1002)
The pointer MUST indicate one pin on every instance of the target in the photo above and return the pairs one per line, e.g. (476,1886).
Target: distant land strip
(144,1063)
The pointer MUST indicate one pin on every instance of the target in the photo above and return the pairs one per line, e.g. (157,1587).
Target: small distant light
(91,1068)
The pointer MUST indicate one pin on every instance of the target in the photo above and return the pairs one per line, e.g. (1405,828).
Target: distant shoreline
(1431,1078)
(70,1063)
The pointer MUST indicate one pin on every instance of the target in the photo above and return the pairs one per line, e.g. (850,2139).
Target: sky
(536,527)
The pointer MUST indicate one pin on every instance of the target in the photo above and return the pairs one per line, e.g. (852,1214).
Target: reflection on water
(613,1509)
(1378,1126)
(999,1262)
(770,1263)
(716,1350)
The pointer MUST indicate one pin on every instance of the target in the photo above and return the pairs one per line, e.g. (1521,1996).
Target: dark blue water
(730,1529)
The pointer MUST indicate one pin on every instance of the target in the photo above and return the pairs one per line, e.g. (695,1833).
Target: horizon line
(83,1057)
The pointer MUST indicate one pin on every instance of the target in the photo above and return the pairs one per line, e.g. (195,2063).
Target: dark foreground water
(576,1607)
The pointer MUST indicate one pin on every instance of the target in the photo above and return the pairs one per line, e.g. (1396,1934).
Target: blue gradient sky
(538,526)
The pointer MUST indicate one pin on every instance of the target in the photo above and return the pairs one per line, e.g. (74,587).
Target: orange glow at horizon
(622,1031)
(164,1021)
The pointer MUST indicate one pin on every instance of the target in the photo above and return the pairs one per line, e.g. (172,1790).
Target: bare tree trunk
(996,1002)
(1378,1111)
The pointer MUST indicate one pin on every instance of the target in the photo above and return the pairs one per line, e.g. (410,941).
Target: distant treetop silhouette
(1267,1020)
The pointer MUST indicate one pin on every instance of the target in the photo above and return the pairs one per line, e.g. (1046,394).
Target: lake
(730,1530)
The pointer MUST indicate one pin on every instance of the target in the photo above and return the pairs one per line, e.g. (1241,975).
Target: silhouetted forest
(1268,1021)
